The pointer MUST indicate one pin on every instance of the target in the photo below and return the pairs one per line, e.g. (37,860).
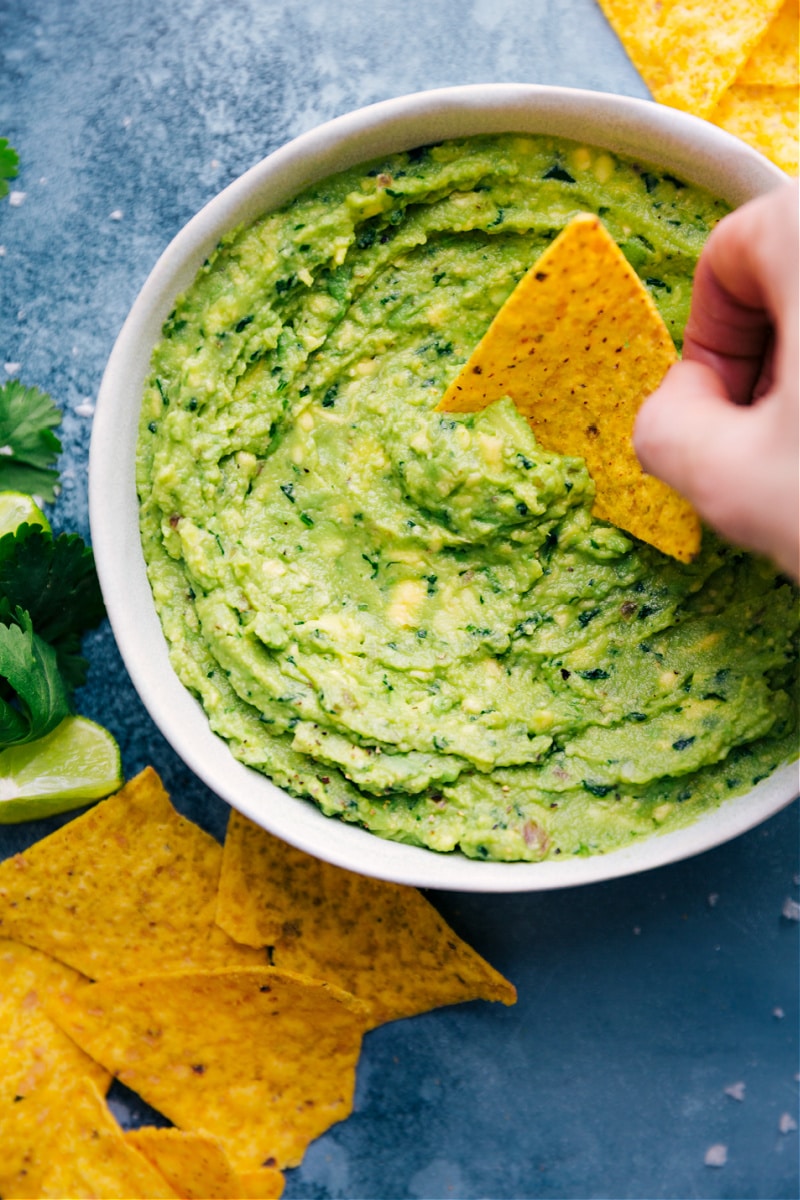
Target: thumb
(689,434)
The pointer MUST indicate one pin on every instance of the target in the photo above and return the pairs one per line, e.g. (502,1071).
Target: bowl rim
(684,144)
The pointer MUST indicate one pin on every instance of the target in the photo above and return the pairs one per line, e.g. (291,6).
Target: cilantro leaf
(9,161)
(28,446)
(34,698)
(53,579)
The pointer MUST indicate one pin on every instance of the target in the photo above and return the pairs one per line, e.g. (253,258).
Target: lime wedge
(16,507)
(78,762)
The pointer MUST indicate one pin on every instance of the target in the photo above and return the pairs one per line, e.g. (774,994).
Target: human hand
(724,426)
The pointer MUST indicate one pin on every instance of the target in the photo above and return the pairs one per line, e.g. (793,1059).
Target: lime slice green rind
(77,763)
(17,508)
(16,812)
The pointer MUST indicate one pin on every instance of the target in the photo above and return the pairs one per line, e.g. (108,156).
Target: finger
(745,286)
(752,253)
(726,335)
(736,465)
(677,424)
(690,435)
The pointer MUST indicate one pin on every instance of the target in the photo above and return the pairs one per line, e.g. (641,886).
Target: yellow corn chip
(578,346)
(689,51)
(126,888)
(764,117)
(262,1184)
(196,1166)
(775,61)
(261,1059)
(383,942)
(36,1049)
(79,1151)
(39,1065)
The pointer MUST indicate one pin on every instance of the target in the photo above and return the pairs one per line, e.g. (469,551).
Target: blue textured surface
(640,1001)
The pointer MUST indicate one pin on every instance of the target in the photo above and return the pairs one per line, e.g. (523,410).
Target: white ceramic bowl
(688,147)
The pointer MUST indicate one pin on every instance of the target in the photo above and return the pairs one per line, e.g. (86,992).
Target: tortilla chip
(578,346)
(775,61)
(261,1059)
(263,1184)
(383,942)
(128,887)
(39,1065)
(764,117)
(196,1166)
(35,1049)
(79,1151)
(689,53)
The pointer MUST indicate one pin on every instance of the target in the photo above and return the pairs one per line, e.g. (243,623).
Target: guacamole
(410,617)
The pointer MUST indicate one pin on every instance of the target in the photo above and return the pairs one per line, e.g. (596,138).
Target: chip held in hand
(578,346)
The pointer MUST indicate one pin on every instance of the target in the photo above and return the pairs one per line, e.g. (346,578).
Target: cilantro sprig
(49,594)
(33,695)
(28,446)
(54,581)
(9,162)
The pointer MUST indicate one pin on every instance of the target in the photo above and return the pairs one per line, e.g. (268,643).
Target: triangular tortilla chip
(75,1148)
(128,887)
(775,61)
(764,117)
(40,1066)
(689,53)
(37,1049)
(578,346)
(261,1059)
(381,941)
(197,1167)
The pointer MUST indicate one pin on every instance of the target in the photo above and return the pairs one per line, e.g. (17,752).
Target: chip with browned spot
(578,345)
(689,53)
(37,1048)
(72,1147)
(261,1059)
(381,941)
(196,1165)
(40,1066)
(128,887)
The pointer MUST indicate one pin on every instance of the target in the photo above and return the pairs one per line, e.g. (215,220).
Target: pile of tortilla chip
(230,987)
(735,66)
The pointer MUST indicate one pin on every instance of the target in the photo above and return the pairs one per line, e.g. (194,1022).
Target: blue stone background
(640,1000)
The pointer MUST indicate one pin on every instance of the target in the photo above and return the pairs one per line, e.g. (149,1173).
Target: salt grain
(787,1123)
(12,368)
(15,199)
(713,899)
(85,408)
(716,1155)
(791,909)
(778,1013)
(116,215)
(735,1090)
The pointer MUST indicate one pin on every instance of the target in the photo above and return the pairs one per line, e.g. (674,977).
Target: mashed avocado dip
(410,616)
